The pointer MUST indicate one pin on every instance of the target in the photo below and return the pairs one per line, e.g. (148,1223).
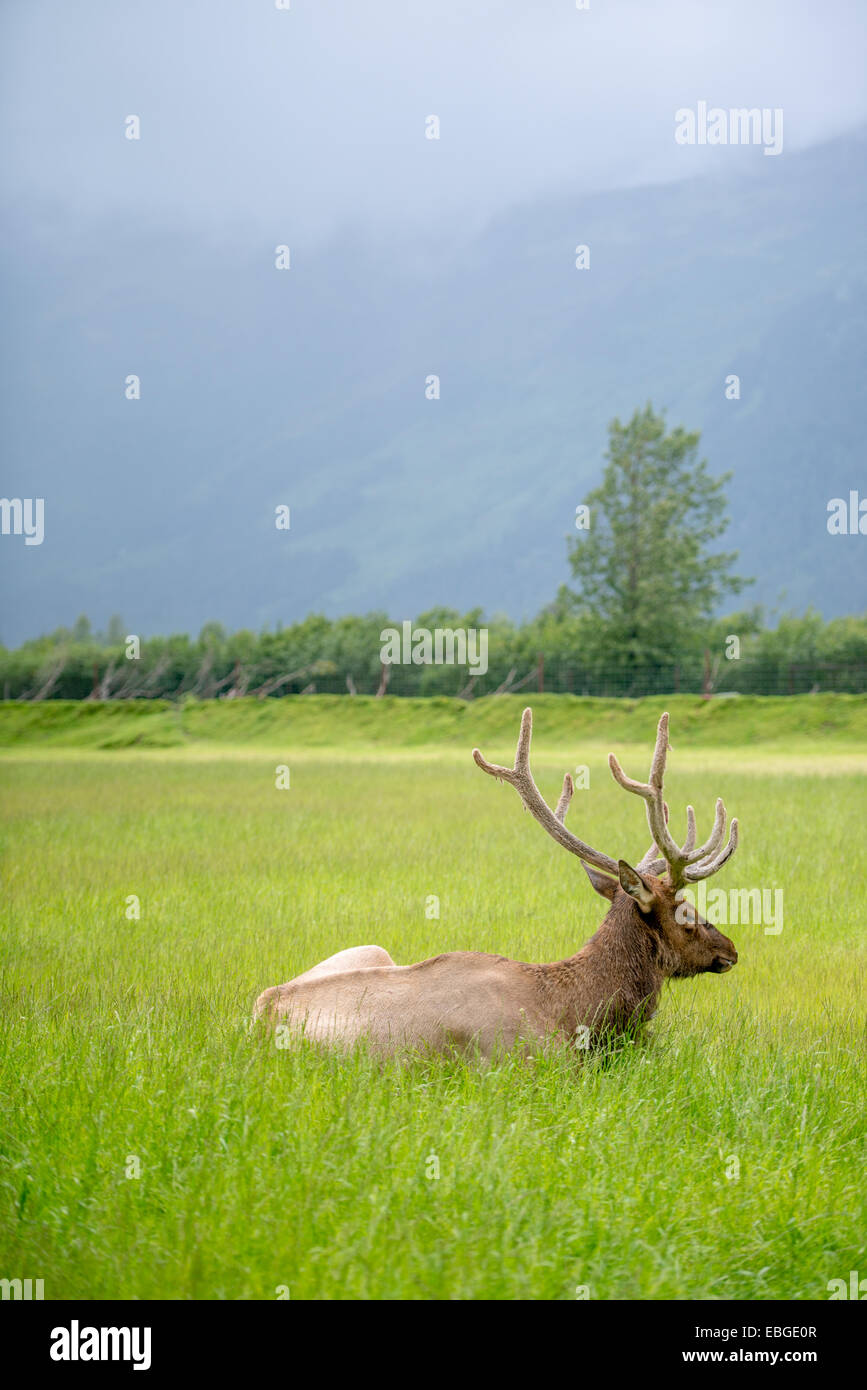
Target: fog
(306,122)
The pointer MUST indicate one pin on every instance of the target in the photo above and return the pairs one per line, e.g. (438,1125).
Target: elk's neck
(617,976)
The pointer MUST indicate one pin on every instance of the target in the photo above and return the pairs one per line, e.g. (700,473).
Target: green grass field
(723,1161)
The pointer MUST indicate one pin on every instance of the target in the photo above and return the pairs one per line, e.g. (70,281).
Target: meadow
(150,1148)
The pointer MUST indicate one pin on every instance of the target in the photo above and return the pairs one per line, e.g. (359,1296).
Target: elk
(466,1000)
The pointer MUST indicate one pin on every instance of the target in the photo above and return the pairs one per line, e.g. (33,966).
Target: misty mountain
(307,387)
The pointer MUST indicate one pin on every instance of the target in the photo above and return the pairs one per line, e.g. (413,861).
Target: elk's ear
(632,883)
(601,882)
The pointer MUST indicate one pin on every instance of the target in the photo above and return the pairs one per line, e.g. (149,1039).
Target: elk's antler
(521,778)
(686,864)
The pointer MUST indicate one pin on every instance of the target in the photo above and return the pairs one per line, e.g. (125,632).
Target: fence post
(705,680)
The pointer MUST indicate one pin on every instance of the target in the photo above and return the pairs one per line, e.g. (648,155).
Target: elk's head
(685,943)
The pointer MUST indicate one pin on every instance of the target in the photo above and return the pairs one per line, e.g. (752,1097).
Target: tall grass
(723,1160)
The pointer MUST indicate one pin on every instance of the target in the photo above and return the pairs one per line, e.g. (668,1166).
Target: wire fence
(176,680)
(736,677)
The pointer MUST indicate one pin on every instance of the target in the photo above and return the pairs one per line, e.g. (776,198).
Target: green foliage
(645,575)
(797,655)
(642,624)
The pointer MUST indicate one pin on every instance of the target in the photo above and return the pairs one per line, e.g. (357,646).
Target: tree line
(640,618)
(558,650)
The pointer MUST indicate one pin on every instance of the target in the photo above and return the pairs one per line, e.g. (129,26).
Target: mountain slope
(307,387)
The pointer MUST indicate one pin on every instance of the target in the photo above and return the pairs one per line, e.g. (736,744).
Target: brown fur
(466,999)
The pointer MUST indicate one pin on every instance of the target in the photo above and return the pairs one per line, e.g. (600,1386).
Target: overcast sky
(294,124)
